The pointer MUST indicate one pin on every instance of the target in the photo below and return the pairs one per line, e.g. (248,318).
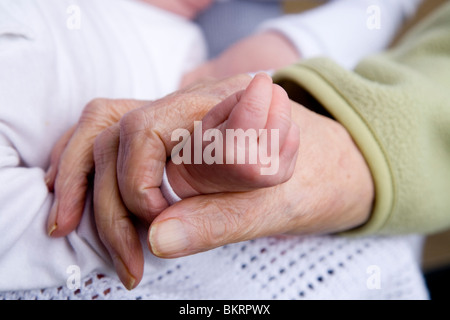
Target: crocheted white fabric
(271,268)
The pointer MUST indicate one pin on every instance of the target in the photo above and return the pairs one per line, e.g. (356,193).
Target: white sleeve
(344,30)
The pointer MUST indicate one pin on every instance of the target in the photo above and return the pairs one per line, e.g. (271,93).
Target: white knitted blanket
(271,268)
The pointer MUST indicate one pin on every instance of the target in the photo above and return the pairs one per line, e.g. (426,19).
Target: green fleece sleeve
(396,106)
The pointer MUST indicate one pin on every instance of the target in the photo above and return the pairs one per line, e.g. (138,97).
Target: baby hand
(247,141)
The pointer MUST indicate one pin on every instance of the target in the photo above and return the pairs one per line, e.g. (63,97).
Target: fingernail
(47,180)
(124,274)
(47,175)
(52,225)
(263,75)
(52,228)
(168,238)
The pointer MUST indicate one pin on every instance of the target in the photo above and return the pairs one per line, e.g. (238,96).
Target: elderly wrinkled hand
(331,188)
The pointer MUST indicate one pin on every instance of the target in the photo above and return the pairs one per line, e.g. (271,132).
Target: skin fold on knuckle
(132,122)
(225,87)
(102,112)
(196,104)
(228,222)
(254,107)
(283,120)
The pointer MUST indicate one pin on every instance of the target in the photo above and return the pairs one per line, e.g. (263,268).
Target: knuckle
(235,83)
(97,103)
(94,107)
(224,225)
(96,115)
(132,122)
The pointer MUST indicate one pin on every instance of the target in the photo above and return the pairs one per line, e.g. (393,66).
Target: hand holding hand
(331,188)
(72,162)
(247,141)
(94,141)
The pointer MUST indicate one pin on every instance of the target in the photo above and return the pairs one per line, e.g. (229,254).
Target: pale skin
(268,50)
(331,188)
(261,106)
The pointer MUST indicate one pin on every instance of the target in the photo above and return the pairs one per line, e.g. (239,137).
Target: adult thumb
(205,222)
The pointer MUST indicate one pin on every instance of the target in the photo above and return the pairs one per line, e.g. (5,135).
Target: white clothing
(344,30)
(49,72)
